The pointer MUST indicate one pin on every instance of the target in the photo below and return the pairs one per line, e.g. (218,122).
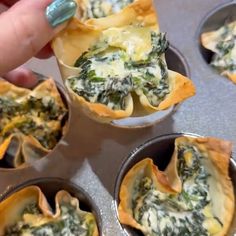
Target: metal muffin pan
(91,154)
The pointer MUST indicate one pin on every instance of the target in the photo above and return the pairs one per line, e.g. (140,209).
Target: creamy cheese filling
(224,60)
(102,8)
(39,117)
(69,223)
(124,60)
(187,213)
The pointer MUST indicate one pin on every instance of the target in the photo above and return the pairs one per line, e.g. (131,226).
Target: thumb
(28,26)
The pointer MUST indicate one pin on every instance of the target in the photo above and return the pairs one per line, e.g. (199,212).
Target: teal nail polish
(60,11)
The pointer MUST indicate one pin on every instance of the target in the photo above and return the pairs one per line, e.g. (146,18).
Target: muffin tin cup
(66,120)
(50,186)
(175,61)
(160,150)
(224,13)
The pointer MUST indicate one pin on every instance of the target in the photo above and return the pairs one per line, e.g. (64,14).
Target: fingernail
(60,11)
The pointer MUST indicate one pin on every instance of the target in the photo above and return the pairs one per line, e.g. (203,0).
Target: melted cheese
(106,8)
(188,157)
(136,41)
(13,123)
(113,68)
(123,60)
(212,225)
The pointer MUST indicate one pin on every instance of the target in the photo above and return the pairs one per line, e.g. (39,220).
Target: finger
(21,77)
(25,29)
(45,52)
(8,2)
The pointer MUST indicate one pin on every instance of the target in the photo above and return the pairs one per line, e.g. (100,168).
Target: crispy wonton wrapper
(19,150)
(216,159)
(79,36)
(11,209)
(210,39)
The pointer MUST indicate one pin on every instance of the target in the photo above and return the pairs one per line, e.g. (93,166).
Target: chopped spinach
(44,107)
(164,214)
(224,60)
(47,137)
(25,114)
(8,107)
(225,46)
(69,223)
(187,171)
(160,44)
(101,8)
(108,74)
(32,209)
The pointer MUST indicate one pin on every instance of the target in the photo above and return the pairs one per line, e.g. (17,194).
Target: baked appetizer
(27,212)
(193,196)
(223,43)
(104,13)
(101,8)
(31,122)
(106,67)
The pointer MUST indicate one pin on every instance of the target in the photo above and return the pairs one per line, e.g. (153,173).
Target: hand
(26,28)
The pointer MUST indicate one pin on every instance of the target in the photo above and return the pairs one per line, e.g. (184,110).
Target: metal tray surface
(91,154)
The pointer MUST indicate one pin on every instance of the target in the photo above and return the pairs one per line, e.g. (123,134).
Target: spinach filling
(40,117)
(224,59)
(108,74)
(110,91)
(165,214)
(45,108)
(69,223)
(101,8)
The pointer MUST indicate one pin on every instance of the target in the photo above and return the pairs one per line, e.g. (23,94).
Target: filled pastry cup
(158,162)
(50,205)
(217,33)
(33,122)
(101,67)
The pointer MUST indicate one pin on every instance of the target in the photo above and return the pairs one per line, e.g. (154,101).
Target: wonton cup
(11,209)
(216,156)
(79,36)
(210,40)
(18,149)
